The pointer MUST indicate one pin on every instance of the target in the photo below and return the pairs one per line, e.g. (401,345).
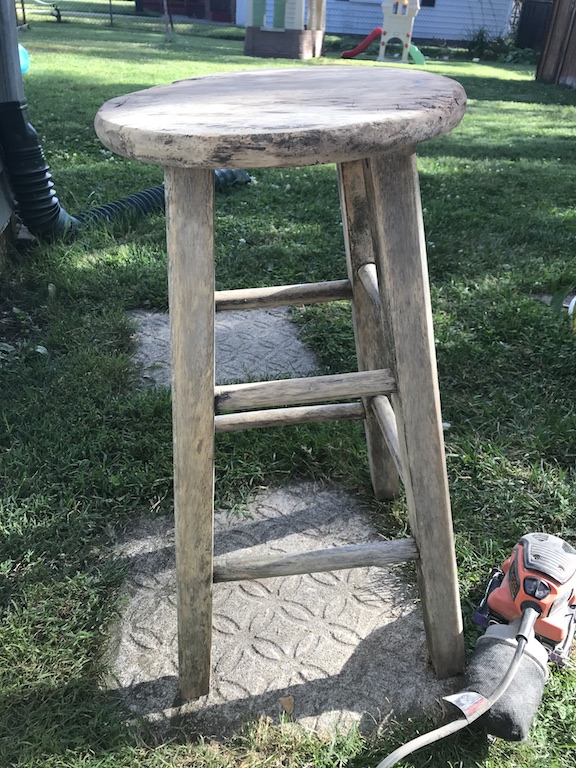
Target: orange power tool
(540,572)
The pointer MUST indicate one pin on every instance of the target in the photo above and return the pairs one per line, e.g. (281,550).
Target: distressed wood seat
(367,120)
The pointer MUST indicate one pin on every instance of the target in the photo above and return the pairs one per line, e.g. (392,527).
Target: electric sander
(529,614)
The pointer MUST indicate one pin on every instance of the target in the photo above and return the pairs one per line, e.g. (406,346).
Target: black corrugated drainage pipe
(26,166)
(32,186)
(29,175)
(150,200)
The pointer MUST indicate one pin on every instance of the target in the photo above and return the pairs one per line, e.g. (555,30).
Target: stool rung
(387,422)
(238,568)
(277,417)
(283,295)
(313,389)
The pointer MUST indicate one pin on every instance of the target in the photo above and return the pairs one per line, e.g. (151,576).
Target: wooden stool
(367,120)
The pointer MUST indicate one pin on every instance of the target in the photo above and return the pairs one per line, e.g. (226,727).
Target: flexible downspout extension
(24,159)
(26,166)
(32,185)
(151,200)
(30,176)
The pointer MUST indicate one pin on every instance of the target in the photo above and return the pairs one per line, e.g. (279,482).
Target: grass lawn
(84,452)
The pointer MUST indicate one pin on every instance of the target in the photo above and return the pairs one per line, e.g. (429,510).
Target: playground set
(297,30)
(398,23)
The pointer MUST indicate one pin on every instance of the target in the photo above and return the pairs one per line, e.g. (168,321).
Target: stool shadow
(375,682)
(247,533)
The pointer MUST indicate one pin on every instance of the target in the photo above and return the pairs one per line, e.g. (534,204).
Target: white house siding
(448,20)
(460,19)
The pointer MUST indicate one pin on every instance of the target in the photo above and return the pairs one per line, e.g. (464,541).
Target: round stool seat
(281,117)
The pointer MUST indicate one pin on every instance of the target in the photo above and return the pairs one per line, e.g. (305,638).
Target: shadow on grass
(80,724)
(513,90)
(46,720)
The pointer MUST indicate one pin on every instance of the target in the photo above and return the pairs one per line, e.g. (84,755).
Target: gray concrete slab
(259,344)
(329,650)
(336,649)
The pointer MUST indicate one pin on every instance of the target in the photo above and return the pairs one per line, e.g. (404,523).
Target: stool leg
(400,253)
(370,348)
(190,240)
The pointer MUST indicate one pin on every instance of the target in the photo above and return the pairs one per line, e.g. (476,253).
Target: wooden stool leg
(400,253)
(189,224)
(368,333)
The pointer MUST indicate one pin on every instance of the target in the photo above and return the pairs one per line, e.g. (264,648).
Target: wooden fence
(557,63)
(533,19)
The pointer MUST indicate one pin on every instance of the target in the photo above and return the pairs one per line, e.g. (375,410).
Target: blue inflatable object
(24,58)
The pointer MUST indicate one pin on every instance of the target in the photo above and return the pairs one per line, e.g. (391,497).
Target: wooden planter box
(284,44)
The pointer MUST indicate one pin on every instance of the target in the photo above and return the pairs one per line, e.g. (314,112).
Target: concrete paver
(329,649)
(259,344)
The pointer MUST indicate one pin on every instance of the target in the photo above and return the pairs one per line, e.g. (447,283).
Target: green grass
(84,452)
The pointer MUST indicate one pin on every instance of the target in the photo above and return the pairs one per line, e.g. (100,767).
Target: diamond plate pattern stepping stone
(342,648)
(333,649)
(254,344)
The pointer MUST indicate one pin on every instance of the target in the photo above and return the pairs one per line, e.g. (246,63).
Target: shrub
(482,45)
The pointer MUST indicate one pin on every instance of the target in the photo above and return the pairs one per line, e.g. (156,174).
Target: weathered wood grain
(386,418)
(398,235)
(280,117)
(313,389)
(283,295)
(240,567)
(189,227)
(279,417)
(366,314)
(369,279)
(366,120)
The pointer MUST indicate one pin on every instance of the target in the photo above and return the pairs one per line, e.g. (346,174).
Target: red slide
(363,45)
